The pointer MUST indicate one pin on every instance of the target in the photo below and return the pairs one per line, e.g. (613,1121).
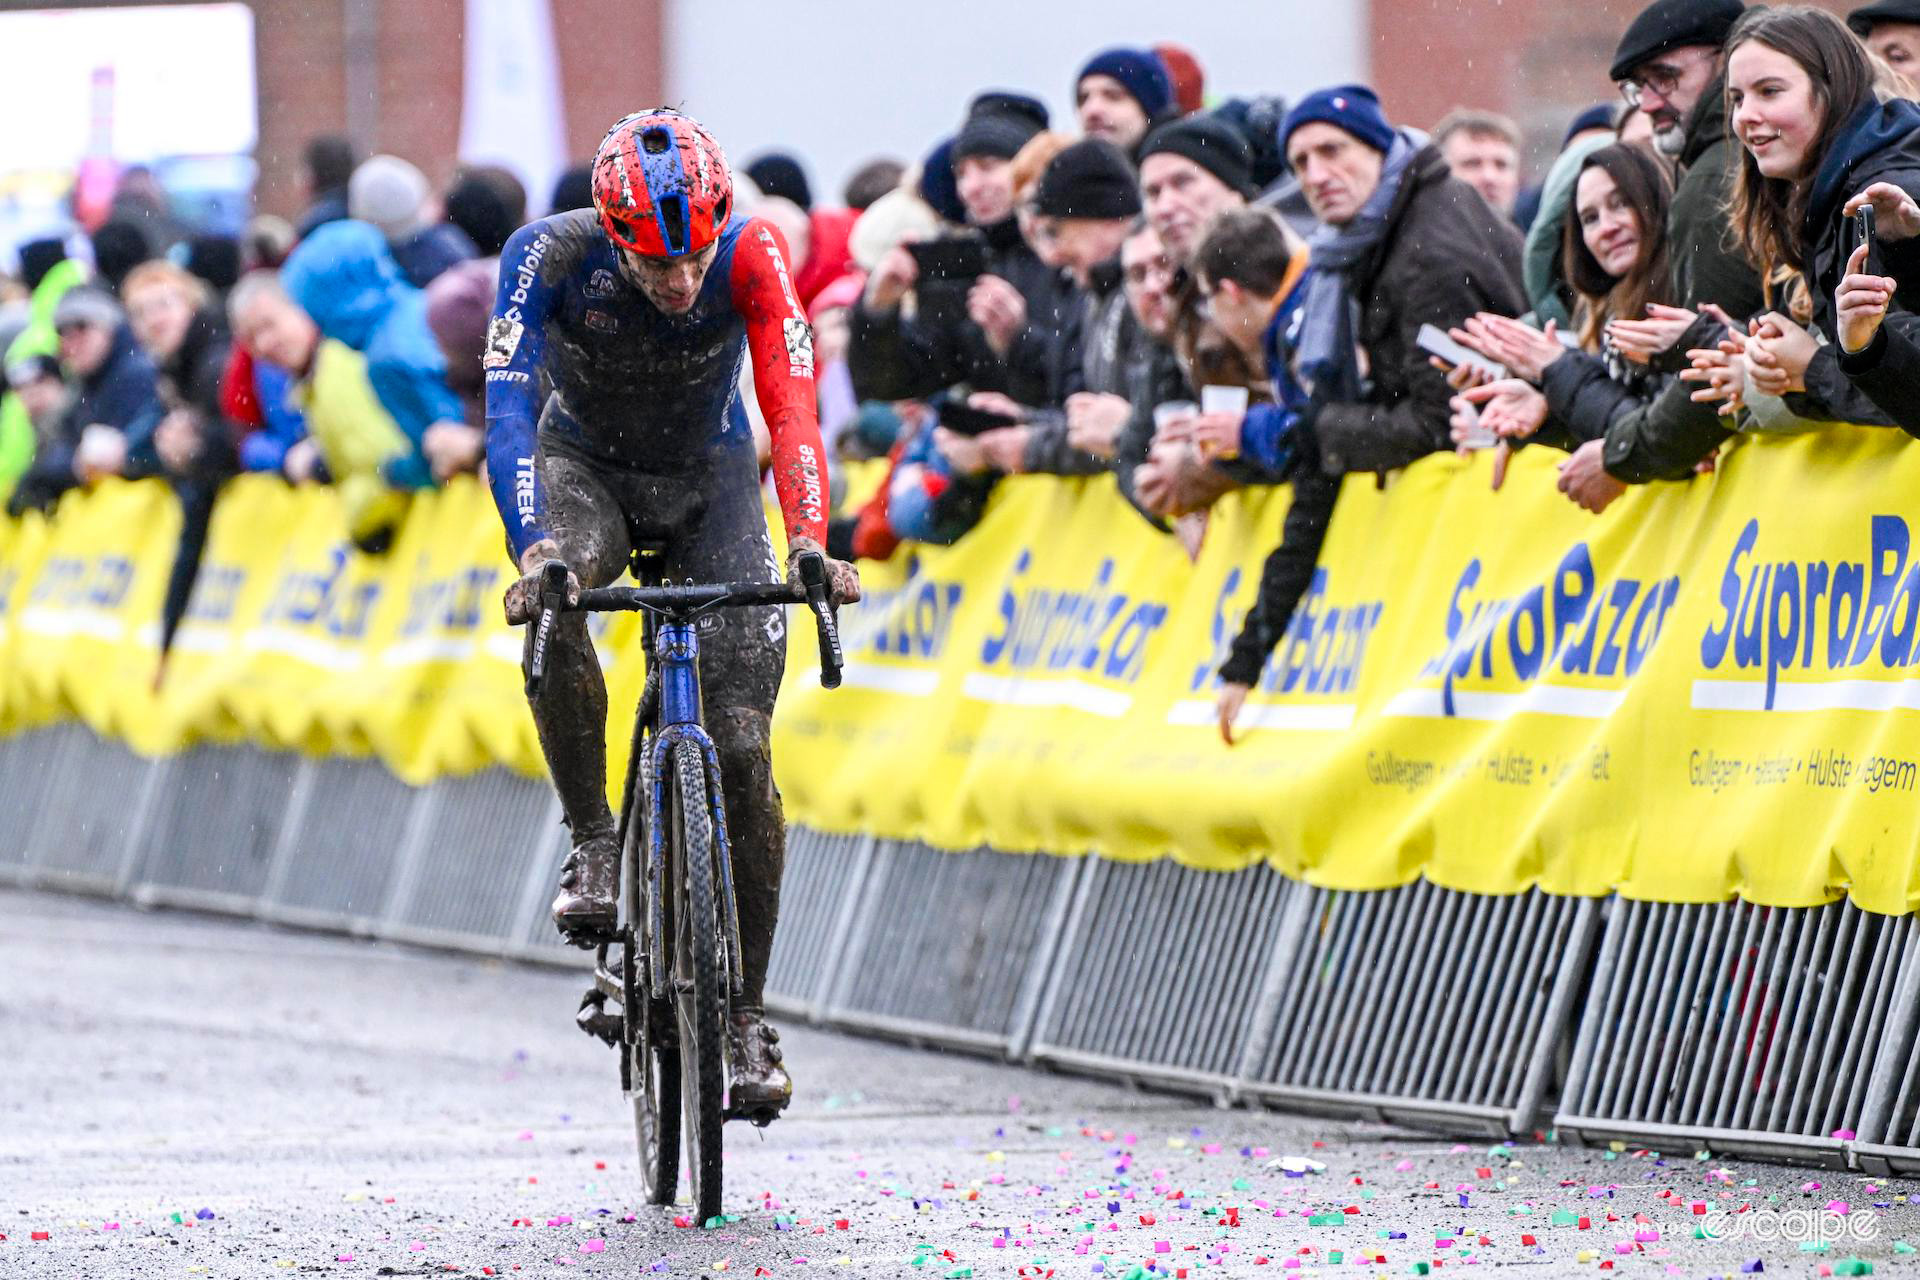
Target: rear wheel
(653,1059)
(700,997)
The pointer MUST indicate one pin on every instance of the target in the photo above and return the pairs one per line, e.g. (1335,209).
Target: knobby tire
(698,978)
(655,1062)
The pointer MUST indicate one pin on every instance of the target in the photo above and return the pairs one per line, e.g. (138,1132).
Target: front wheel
(653,1061)
(699,977)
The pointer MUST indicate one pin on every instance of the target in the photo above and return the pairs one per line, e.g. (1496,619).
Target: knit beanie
(1352,107)
(388,192)
(88,305)
(1139,72)
(777,174)
(998,123)
(1089,179)
(1214,145)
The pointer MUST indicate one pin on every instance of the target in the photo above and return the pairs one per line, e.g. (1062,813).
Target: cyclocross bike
(674,964)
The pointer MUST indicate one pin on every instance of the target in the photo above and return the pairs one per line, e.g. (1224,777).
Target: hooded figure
(37,339)
(343,276)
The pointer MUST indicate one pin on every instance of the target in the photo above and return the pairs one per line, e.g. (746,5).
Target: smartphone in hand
(1434,340)
(1864,235)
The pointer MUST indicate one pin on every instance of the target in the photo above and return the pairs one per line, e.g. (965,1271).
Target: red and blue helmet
(661,184)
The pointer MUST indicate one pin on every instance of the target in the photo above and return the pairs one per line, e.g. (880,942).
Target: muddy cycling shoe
(586,909)
(761,1088)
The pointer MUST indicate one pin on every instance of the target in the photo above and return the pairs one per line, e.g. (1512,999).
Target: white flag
(512,114)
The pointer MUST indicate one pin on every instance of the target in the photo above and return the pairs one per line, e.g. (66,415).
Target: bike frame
(675,656)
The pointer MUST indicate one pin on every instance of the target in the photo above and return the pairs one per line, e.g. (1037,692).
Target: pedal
(758,1117)
(594,1019)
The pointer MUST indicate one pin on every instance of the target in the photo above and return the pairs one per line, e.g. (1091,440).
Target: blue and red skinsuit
(639,390)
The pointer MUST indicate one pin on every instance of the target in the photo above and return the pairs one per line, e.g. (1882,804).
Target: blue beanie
(1352,107)
(1139,72)
(938,186)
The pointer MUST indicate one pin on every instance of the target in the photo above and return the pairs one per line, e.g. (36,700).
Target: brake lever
(813,577)
(553,602)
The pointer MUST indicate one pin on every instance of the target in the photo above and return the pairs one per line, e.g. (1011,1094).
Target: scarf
(1328,363)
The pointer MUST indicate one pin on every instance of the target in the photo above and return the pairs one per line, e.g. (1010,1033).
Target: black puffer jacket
(896,357)
(1666,436)
(1446,254)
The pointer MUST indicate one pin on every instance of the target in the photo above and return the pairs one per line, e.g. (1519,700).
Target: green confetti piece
(1242,1184)
(1901,1246)
(959,1273)
(1565,1218)
(1814,1246)
(1609,1155)
(1325,1219)
(1853,1267)
(1336,1256)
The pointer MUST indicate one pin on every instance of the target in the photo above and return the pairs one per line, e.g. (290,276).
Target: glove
(843,580)
(522,599)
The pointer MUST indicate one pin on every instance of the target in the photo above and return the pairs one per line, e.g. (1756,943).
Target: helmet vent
(656,140)
(673,222)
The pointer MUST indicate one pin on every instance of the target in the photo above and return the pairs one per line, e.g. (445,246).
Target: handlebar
(813,590)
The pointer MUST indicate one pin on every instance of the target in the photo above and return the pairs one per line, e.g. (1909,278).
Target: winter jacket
(1273,440)
(1665,438)
(282,424)
(1153,378)
(425,252)
(926,501)
(122,393)
(1087,357)
(357,438)
(896,357)
(38,338)
(343,276)
(1878,144)
(1586,392)
(1446,255)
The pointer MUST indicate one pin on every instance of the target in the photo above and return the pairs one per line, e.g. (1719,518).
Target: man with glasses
(1669,65)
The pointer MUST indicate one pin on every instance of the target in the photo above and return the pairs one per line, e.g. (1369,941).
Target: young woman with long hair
(1822,131)
(1615,255)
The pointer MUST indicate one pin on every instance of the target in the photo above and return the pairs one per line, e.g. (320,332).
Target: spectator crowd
(1192,297)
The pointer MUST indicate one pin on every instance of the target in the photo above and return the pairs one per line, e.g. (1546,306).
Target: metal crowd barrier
(1780,1032)
(1783,1033)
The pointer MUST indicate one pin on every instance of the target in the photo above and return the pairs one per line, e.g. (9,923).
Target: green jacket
(38,338)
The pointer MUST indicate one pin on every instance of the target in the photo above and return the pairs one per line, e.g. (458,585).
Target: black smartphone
(951,259)
(1863,234)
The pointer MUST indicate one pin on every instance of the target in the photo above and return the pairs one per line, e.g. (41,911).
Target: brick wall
(610,64)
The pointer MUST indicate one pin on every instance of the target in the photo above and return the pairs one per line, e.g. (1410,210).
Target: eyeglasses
(1661,77)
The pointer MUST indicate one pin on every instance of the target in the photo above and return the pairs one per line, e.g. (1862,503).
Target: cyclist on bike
(639,314)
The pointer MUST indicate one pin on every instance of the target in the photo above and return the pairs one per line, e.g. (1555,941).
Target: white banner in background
(512,114)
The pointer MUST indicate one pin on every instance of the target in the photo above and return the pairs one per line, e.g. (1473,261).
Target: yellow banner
(1706,692)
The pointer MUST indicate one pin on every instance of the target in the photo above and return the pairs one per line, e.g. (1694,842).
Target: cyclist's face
(671,284)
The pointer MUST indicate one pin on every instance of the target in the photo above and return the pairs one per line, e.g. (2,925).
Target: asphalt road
(182,1096)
